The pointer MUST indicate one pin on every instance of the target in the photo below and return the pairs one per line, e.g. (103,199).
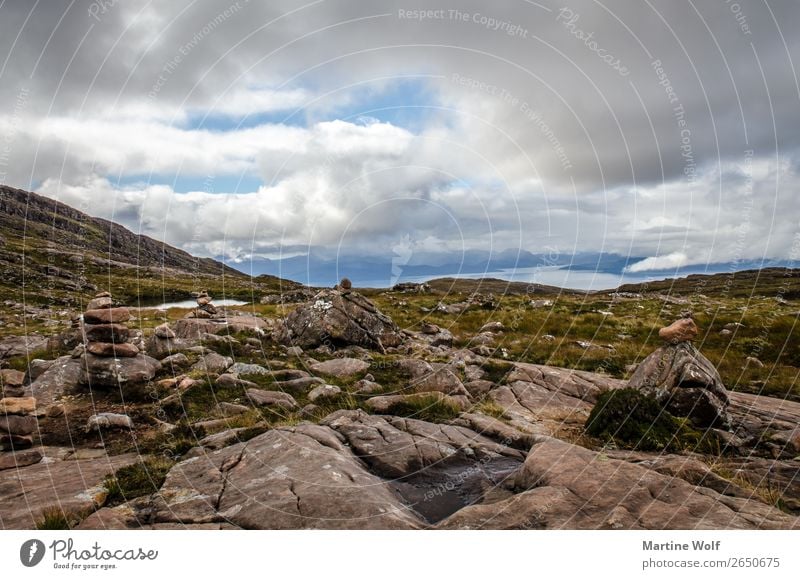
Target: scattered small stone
(324,392)
(753,361)
(108,421)
(493,327)
(271,398)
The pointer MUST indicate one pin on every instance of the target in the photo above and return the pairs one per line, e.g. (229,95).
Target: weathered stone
(111,372)
(685,382)
(564,486)
(19,459)
(109,421)
(492,327)
(178,360)
(340,367)
(213,362)
(288,478)
(271,398)
(10,377)
(479,388)
(682,330)
(107,316)
(20,406)
(109,350)
(26,492)
(62,376)
(367,387)
(230,409)
(298,385)
(231,381)
(164,332)
(193,329)
(324,392)
(22,425)
(37,367)
(389,404)
(100,303)
(114,333)
(15,441)
(340,319)
(251,369)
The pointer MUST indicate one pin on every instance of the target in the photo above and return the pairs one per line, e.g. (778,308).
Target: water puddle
(437,492)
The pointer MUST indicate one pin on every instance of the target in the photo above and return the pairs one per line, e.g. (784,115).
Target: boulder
(164,331)
(165,347)
(111,372)
(107,316)
(109,421)
(37,367)
(100,303)
(109,350)
(13,346)
(324,392)
(685,382)
(389,404)
(682,330)
(194,328)
(298,385)
(174,361)
(115,333)
(340,319)
(288,478)
(340,367)
(213,363)
(271,398)
(62,376)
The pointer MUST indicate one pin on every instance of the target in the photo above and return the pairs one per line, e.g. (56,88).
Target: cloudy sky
(667,129)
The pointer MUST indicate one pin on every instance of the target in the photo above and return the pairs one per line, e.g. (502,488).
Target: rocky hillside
(58,255)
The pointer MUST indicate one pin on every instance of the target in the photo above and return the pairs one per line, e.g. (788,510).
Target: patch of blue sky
(189,183)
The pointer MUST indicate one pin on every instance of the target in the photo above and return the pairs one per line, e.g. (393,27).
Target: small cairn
(345,286)
(17,423)
(109,356)
(204,309)
(684,381)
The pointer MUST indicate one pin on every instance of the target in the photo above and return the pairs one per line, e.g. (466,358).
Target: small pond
(193,304)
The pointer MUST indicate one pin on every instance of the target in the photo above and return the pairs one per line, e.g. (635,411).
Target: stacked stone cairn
(204,309)
(110,359)
(17,420)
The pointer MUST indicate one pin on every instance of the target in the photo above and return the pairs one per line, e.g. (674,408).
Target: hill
(56,255)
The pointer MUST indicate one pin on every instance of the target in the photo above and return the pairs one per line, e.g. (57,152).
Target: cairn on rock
(204,309)
(109,358)
(17,423)
(339,316)
(684,381)
(12,383)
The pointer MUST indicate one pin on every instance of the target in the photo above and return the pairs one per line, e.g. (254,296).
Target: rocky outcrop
(564,486)
(686,383)
(340,318)
(289,478)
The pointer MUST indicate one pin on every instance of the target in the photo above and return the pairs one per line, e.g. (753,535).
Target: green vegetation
(430,408)
(630,419)
(136,480)
(56,519)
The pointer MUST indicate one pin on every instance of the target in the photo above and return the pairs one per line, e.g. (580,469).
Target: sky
(666,129)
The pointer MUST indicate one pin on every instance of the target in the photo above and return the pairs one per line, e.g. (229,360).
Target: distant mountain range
(320,268)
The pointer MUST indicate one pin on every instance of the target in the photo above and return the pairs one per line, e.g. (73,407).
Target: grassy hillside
(52,254)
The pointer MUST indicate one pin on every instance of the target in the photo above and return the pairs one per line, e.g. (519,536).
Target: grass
(54,518)
(136,480)
(765,492)
(629,419)
(429,408)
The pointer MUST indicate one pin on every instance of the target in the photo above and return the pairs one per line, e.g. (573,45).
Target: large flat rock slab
(68,484)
